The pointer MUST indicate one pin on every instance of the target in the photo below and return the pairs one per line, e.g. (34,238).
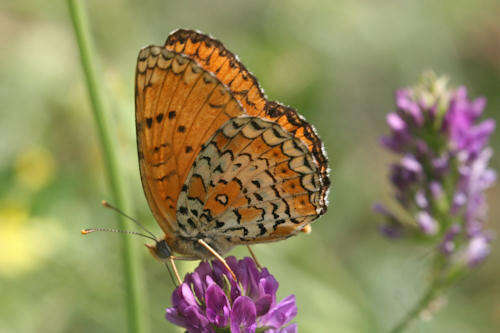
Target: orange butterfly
(220,165)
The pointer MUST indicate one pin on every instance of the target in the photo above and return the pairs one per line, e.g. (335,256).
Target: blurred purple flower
(443,169)
(210,299)
(392,228)
(477,249)
(448,243)
(427,224)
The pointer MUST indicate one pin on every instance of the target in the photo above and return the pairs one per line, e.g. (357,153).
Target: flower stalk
(93,81)
(440,180)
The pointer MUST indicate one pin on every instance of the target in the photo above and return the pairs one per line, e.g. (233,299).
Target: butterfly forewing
(179,106)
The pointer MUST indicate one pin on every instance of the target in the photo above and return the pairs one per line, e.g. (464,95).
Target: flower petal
(243,315)
(428,225)
(182,298)
(477,250)
(192,319)
(187,294)
(263,304)
(197,322)
(395,122)
(268,286)
(289,329)
(173,316)
(249,277)
(281,314)
(217,306)
(194,279)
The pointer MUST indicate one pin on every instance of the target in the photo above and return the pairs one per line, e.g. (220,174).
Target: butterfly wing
(185,92)
(252,182)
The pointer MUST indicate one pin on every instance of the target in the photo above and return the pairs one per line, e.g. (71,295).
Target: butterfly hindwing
(252,182)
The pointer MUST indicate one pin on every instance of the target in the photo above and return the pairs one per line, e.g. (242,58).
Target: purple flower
(210,299)
(428,225)
(447,245)
(436,190)
(477,250)
(442,172)
(408,106)
(460,123)
(392,228)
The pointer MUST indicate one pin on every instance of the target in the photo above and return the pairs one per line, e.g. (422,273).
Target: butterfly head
(161,251)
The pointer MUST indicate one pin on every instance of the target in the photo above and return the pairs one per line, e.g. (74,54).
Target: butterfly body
(218,161)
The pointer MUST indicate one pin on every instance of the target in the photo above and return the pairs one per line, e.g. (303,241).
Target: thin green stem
(443,278)
(131,265)
(430,295)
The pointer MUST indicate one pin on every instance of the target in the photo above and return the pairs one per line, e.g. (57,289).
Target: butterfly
(221,165)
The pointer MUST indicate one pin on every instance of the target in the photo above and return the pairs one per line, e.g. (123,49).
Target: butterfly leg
(175,269)
(218,256)
(254,257)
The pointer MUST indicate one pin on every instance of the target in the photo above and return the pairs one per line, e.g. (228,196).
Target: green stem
(131,265)
(431,294)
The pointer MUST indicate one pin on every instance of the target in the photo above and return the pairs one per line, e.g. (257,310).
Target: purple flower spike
(210,299)
(443,169)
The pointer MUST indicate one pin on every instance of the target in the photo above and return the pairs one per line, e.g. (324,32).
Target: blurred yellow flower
(23,240)
(35,168)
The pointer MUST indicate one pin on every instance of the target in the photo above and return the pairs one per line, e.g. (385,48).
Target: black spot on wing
(277,223)
(191,223)
(245,230)
(262,229)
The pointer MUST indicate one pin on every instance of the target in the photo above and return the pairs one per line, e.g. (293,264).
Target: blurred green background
(337,62)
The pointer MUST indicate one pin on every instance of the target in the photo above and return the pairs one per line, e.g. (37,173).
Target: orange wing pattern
(252,182)
(190,94)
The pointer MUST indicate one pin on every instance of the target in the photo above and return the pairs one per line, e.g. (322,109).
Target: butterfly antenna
(171,275)
(88,231)
(107,205)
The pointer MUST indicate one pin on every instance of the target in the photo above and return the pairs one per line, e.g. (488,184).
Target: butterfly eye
(163,250)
